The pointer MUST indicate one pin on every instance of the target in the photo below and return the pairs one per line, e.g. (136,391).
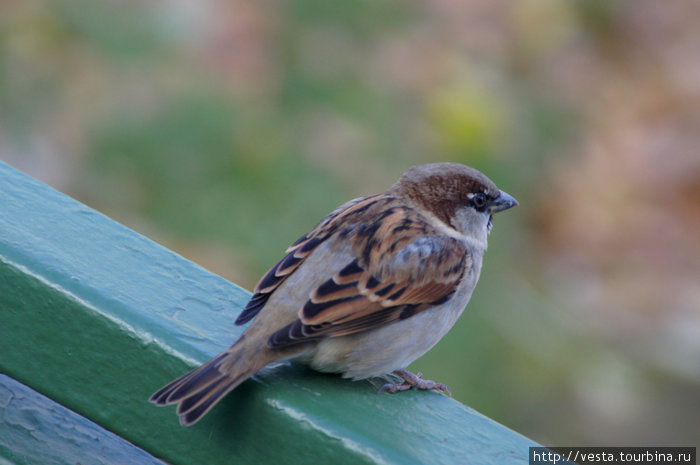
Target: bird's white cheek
(474,225)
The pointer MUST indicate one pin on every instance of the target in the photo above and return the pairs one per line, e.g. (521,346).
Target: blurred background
(225,129)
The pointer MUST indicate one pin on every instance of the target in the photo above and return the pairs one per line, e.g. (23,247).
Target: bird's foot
(413,381)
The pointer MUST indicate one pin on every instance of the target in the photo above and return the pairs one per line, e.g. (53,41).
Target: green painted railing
(95,317)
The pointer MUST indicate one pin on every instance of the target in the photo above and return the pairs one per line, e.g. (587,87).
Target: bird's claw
(414,381)
(393,388)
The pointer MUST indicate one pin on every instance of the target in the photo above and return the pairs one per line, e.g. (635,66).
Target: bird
(371,288)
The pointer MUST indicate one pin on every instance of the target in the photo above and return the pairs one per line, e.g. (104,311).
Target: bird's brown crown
(442,187)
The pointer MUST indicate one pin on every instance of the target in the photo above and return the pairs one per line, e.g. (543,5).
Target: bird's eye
(479,200)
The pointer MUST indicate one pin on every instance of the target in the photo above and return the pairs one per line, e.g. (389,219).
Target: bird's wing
(300,250)
(403,266)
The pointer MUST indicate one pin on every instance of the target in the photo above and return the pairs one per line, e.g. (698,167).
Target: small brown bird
(371,288)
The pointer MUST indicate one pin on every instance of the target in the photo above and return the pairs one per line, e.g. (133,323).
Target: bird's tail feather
(202,388)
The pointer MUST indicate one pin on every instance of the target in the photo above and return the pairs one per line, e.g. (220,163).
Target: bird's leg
(411,381)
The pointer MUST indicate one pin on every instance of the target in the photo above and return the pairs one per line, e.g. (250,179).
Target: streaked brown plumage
(368,290)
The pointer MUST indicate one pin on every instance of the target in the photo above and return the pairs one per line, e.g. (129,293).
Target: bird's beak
(503,202)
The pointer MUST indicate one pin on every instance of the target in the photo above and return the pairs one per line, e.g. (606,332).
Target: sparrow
(372,287)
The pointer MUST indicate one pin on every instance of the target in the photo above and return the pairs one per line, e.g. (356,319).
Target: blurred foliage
(226,129)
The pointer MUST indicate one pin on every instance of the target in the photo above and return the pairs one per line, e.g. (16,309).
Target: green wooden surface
(96,317)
